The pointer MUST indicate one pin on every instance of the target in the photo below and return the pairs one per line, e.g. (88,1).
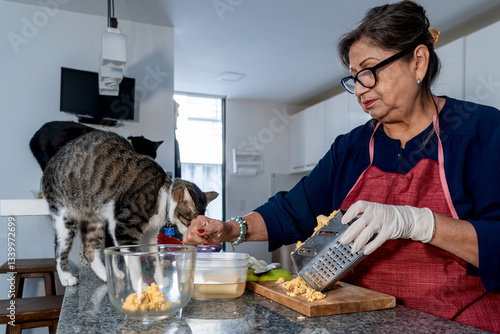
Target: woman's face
(395,93)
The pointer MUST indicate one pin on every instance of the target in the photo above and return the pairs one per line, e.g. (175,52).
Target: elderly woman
(424,173)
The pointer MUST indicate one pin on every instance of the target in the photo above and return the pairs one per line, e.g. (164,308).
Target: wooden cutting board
(342,298)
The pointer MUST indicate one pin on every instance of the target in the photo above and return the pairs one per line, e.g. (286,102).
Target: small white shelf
(23,207)
(247,163)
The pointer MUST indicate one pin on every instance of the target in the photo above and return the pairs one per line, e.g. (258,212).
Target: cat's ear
(188,199)
(211,195)
(157,144)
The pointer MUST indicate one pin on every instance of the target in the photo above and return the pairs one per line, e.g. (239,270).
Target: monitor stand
(98,121)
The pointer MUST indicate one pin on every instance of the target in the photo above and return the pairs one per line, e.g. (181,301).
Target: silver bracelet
(243,231)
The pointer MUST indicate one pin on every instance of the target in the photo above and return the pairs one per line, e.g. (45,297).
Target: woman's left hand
(389,222)
(207,231)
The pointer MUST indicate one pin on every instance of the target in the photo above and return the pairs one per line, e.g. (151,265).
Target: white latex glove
(389,221)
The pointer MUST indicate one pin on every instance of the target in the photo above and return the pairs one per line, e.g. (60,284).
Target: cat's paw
(119,274)
(67,278)
(69,281)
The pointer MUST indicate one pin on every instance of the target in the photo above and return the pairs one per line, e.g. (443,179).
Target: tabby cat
(97,183)
(53,135)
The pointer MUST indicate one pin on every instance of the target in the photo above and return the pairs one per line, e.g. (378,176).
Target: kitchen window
(200,136)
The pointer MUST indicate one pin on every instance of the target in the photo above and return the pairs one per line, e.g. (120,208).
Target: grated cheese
(150,299)
(321,220)
(298,287)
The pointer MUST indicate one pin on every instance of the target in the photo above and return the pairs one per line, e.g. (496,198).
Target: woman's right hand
(207,231)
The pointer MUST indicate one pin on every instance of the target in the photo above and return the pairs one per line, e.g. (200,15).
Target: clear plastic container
(220,275)
(150,282)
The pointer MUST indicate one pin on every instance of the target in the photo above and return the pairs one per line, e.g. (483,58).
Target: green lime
(272,275)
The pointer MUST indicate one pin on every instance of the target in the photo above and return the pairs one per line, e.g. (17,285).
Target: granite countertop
(86,309)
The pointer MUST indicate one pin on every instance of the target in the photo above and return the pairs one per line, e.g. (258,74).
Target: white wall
(45,40)
(265,127)
(450,81)
(482,73)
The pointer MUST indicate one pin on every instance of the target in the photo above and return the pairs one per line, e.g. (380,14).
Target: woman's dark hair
(397,27)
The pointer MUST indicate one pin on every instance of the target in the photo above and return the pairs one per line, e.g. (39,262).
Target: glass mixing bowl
(150,282)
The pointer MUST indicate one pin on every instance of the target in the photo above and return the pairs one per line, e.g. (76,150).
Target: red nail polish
(201,231)
(205,244)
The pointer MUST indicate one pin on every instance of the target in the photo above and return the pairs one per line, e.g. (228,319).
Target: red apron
(420,275)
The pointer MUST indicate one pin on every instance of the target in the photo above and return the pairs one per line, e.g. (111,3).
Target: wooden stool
(33,268)
(31,313)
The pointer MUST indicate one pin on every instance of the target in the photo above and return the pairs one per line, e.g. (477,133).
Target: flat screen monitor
(80,95)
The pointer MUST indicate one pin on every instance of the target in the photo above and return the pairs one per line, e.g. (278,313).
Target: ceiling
(284,48)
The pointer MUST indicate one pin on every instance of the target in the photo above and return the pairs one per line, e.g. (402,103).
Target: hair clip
(434,36)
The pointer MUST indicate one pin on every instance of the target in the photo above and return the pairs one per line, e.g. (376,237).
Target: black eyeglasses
(367,77)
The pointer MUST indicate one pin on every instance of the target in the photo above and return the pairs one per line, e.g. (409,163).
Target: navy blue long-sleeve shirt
(470,135)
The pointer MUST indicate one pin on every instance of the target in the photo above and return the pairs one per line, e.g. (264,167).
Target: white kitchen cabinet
(314,124)
(307,138)
(450,81)
(356,115)
(297,142)
(482,73)
(343,113)
(314,129)
(336,118)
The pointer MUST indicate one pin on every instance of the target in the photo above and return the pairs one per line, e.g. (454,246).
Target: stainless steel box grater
(322,260)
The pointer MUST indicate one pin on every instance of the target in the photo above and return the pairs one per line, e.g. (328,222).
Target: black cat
(53,135)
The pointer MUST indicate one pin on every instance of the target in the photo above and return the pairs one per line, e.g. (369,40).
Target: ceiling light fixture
(231,76)
(113,56)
